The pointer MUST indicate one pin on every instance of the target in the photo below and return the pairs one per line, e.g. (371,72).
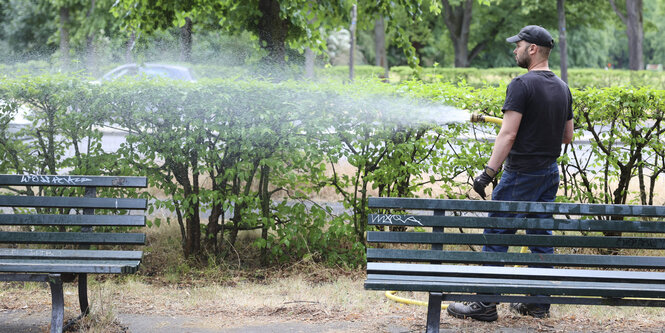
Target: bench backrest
(68,211)
(574,226)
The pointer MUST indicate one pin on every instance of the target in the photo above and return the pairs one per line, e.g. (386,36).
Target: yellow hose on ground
(391,295)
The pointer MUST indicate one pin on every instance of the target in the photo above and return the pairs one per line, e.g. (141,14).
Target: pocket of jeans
(528,187)
(556,179)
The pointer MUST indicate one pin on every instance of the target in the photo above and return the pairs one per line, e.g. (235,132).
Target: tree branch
(491,35)
(616,10)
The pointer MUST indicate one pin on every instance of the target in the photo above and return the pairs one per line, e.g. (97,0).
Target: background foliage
(93,35)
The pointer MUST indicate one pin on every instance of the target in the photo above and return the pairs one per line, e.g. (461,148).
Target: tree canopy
(458,33)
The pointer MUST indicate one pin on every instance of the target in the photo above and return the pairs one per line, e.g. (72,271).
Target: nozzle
(479,118)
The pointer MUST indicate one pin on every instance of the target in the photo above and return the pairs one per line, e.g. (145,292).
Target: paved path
(23,321)
(12,321)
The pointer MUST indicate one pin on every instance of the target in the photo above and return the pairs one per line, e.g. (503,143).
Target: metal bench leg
(83,301)
(83,294)
(434,312)
(58,303)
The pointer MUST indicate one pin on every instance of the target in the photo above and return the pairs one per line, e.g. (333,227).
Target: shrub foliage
(228,155)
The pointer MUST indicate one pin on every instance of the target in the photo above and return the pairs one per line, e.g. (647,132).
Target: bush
(32,67)
(235,154)
(577,77)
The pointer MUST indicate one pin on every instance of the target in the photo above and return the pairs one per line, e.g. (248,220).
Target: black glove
(483,179)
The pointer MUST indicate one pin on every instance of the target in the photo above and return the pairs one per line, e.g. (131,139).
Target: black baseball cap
(533,34)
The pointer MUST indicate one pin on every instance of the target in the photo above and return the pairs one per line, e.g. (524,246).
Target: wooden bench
(435,256)
(49,223)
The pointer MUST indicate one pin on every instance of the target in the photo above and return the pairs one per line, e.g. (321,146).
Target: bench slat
(512,286)
(72,202)
(481,258)
(70,254)
(493,272)
(516,207)
(73,181)
(513,223)
(517,240)
(69,266)
(589,300)
(70,219)
(71,238)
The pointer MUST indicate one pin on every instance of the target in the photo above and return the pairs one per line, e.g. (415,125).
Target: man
(538,118)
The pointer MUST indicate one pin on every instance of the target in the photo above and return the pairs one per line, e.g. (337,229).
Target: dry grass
(306,293)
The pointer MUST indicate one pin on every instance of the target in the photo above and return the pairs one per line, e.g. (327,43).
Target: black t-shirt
(546,104)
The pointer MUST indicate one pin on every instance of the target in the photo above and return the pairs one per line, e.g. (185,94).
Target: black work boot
(532,310)
(474,310)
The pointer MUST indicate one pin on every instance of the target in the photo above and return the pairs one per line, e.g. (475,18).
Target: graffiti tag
(396,219)
(54,180)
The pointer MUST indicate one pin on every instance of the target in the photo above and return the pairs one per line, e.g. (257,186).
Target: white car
(150,70)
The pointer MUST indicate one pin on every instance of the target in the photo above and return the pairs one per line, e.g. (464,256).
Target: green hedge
(577,77)
(263,150)
(32,67)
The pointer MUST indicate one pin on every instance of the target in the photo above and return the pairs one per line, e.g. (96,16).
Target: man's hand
(483,179)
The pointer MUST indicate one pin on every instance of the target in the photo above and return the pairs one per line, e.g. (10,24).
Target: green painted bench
(625,269)
(72,248)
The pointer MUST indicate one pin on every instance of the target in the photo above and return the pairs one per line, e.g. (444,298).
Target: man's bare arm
(505,139)
(568,132)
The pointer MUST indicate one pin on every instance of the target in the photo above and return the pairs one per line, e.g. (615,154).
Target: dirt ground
(300,303)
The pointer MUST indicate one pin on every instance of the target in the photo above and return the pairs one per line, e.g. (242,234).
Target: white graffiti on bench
(30,252)
(395,219)
(57,180)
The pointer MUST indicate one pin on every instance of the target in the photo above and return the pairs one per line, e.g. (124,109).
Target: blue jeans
(540,186)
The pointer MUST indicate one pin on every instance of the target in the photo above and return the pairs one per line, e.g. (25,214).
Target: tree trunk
(381,58)
(635,34)
(560,4)
(91,54)
(309,63)
(264,197)
(193,221)
(309,54)
(215,226)
(418,46)
(634,29)
(190,188)
(458,21)
(186,41)
(352,41)
(64,37)
(272,31)
(193,241)
(194,229)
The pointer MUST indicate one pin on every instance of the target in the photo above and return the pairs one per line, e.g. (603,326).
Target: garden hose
(479,118)
(391,295)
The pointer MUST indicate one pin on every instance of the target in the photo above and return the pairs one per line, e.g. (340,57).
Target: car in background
(150,70)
